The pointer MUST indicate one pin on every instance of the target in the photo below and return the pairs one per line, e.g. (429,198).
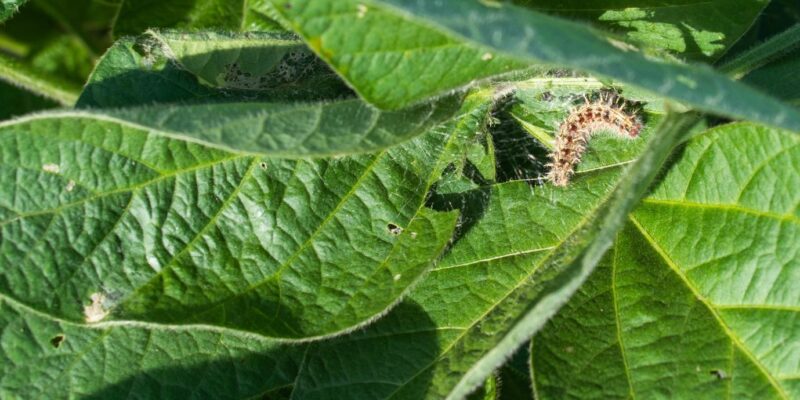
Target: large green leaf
(135,16)
(699,296)
(396,52)
(509,270)
(72,243)
(693,29)
(171,67)
(171,232)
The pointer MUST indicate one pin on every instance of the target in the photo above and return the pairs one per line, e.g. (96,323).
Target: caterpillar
(607,114)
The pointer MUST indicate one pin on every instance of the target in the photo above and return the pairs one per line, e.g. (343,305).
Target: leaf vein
(714,312)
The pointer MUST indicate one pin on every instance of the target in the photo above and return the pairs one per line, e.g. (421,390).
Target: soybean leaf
(65,356)
(697,30)
(101,220)
(697,299)
(509,270)
(771,65)
(135,16)
(440,46)
(172,67)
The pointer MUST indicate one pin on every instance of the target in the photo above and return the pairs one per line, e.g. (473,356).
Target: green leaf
(509,270)
(136,16)
(42,356)
(9,8)
(698,298)
(171,67)
(696,30)
(46,342)
(444,43)
(158,230)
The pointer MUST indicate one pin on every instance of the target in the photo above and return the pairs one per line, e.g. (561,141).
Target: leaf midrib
(184,137)
(137,324)
(618,323)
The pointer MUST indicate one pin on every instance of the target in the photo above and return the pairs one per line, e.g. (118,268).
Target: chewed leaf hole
(96,311)
(57,340)
(263,165)
(394,229)
(720,374)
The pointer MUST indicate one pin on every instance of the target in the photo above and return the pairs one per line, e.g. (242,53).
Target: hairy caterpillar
(607,114)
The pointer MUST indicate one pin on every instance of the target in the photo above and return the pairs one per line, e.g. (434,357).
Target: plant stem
(21,76)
